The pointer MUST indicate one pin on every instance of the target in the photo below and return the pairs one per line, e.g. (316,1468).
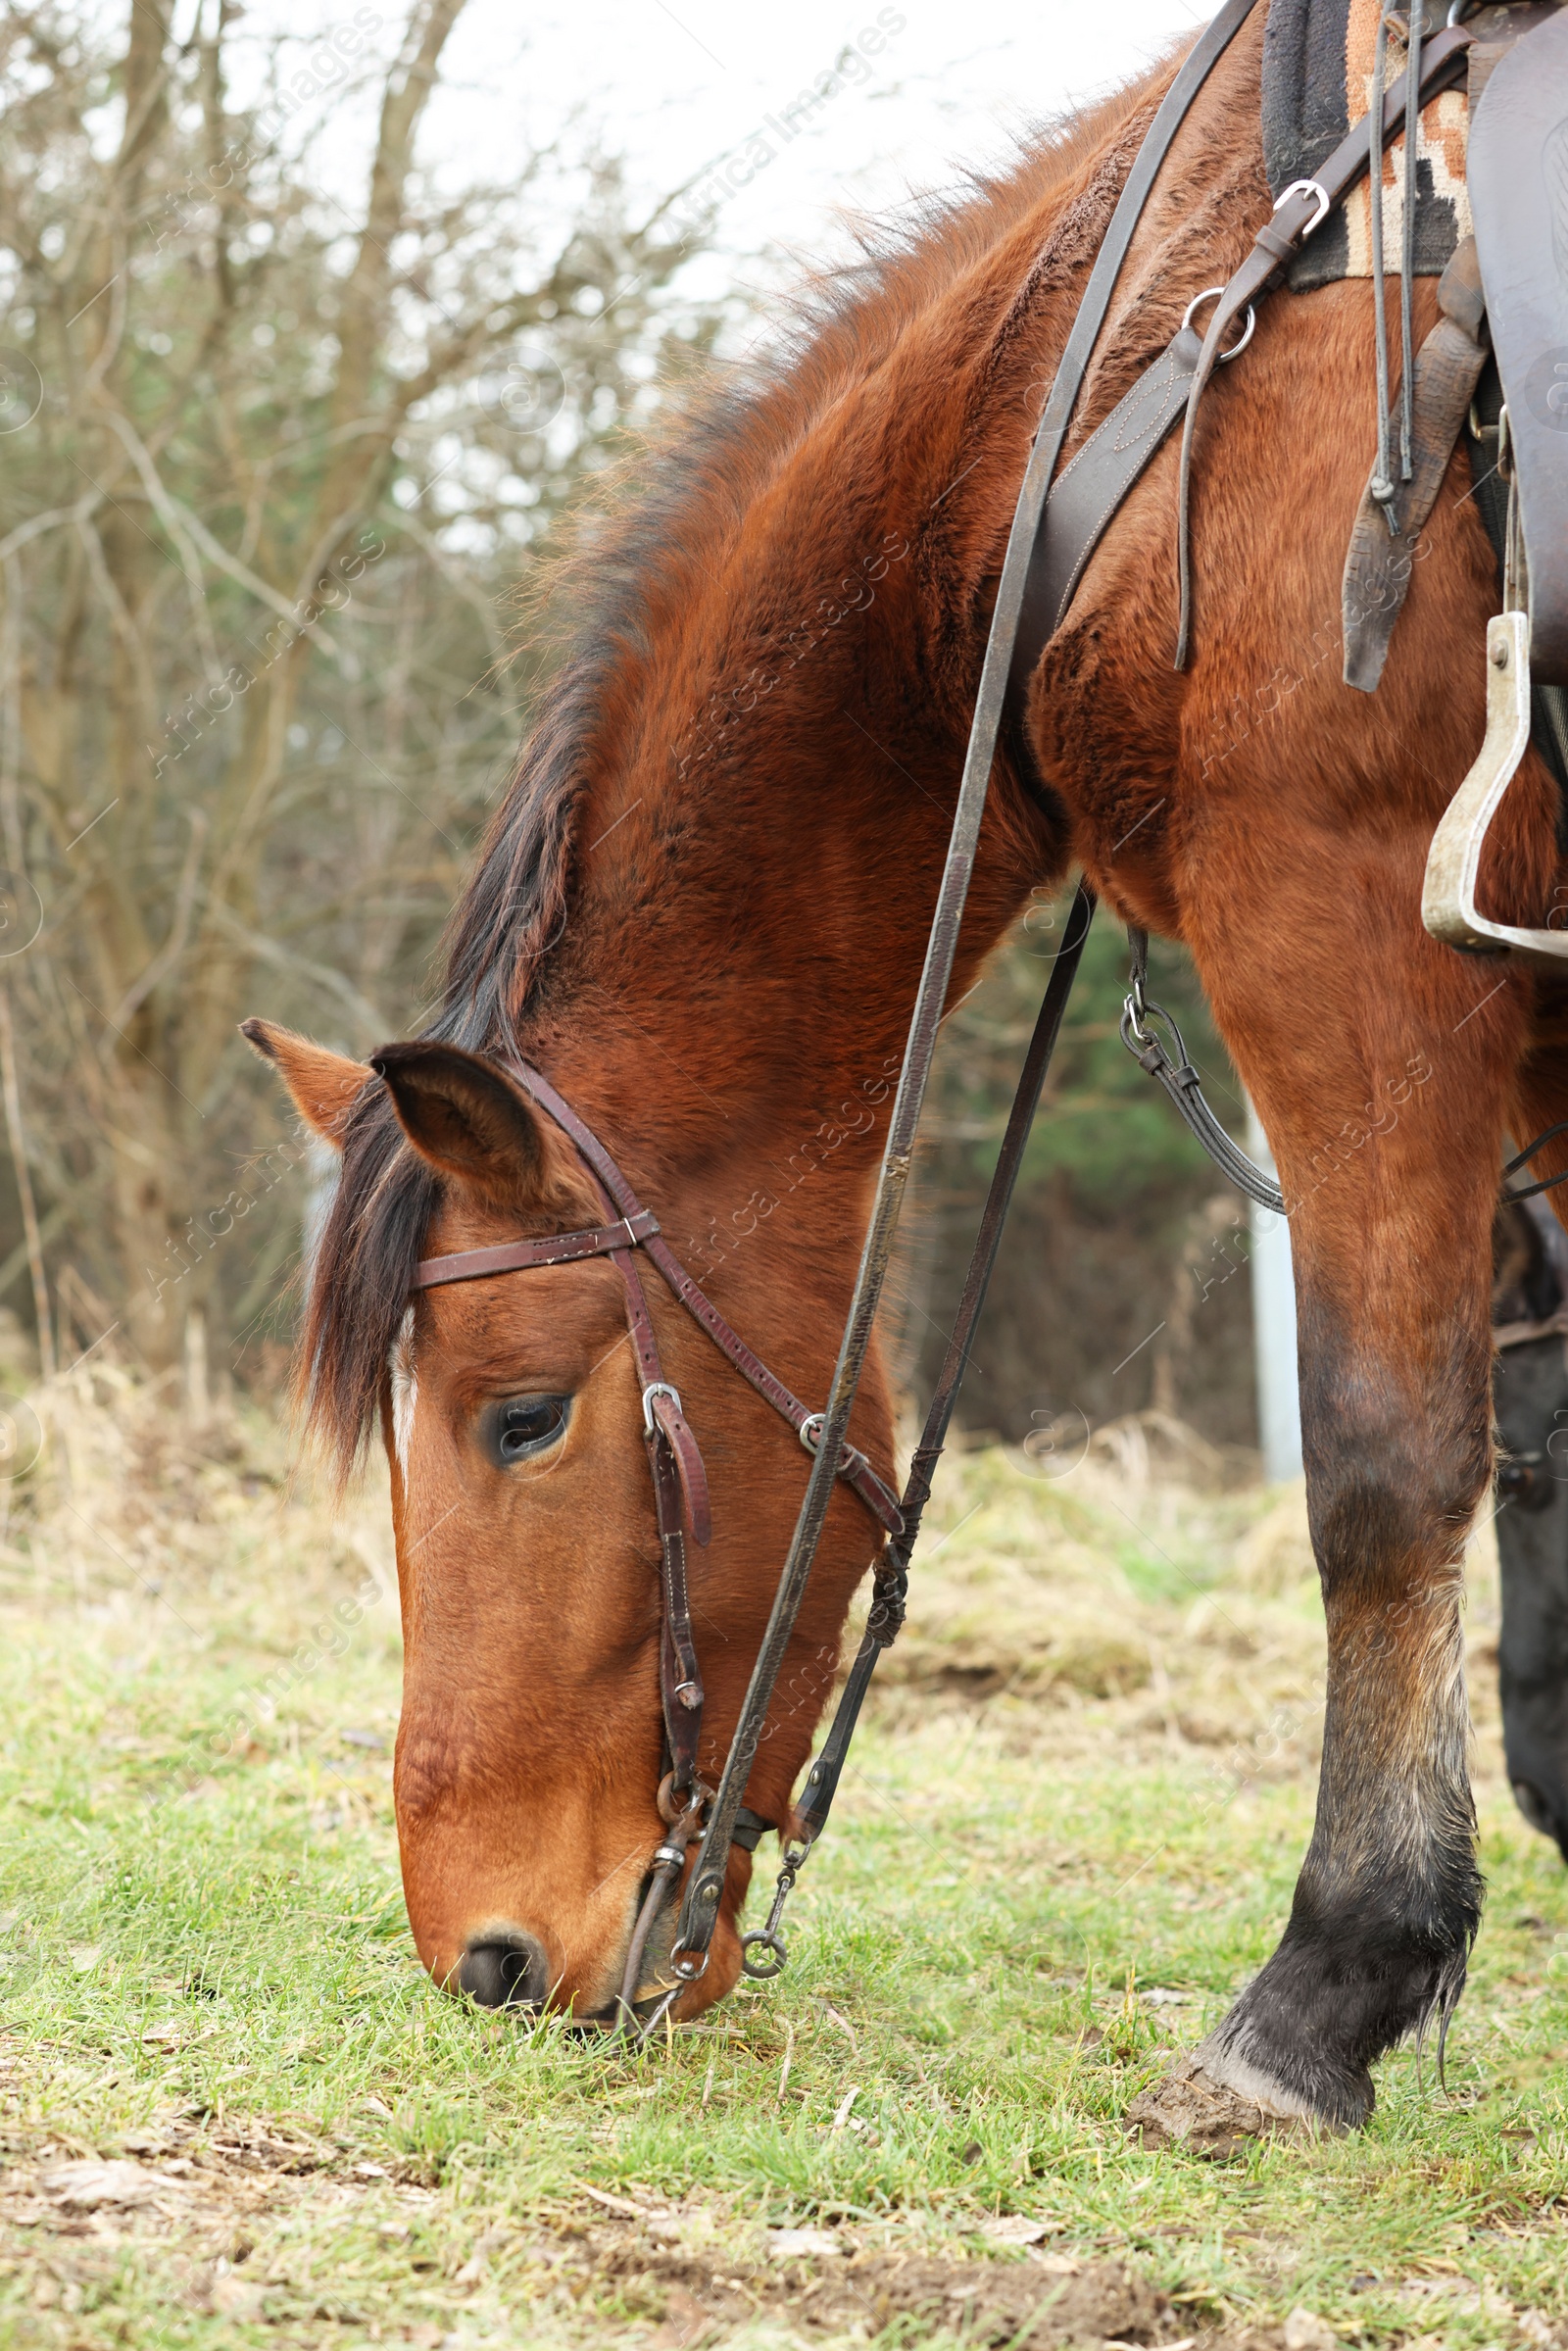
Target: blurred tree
(269,463)
(1121,1281)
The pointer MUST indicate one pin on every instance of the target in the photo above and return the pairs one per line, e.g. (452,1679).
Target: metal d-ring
(763,1971)
(1236,349)
(810,1432)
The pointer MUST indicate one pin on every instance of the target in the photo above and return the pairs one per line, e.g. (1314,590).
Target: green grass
(203,1961)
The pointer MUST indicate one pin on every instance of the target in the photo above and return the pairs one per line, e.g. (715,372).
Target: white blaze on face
(405,1392)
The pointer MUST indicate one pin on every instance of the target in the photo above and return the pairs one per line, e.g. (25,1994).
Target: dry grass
(235,2111)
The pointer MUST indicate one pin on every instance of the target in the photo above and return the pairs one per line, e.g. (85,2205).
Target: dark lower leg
(1531,1401)
(1532,1525)
(1389,1897)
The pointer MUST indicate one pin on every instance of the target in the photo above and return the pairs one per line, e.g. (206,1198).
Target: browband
(515,1256)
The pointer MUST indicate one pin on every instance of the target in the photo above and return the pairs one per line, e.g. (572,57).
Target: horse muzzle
(507,1969)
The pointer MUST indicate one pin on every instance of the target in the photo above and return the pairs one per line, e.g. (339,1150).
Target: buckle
(658,1387)
(1306,187)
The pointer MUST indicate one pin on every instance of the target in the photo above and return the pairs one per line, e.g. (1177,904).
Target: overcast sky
(675,85)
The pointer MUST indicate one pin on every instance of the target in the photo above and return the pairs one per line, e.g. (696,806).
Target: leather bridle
(681,1505)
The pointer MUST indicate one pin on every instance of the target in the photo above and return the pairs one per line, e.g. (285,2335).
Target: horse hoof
(1189,2109)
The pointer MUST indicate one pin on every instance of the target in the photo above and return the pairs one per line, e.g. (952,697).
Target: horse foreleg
(1532,1408)
(1382,1078)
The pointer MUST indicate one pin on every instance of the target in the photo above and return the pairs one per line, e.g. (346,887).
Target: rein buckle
(658,1387)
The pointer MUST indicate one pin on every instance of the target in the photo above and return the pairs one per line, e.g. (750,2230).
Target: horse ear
(462,1114)
(324,1085)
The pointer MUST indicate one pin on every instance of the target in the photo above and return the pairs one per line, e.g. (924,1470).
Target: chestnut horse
(701,912)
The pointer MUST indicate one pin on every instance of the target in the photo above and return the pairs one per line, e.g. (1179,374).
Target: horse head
(533,1776)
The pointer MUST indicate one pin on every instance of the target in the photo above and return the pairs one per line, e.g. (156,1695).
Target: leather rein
(1048,549)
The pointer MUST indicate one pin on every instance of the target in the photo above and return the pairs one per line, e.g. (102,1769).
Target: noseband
(674,1461)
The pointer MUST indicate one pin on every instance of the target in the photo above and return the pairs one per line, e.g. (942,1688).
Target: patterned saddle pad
(1317,81)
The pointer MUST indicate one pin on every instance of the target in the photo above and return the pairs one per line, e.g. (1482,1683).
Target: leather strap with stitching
(680,1499)
(1297,212)
(515,1256)
(1091,488)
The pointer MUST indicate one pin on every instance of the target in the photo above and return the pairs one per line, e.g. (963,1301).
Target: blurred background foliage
(281,459)
(278,457)
(1122,1282)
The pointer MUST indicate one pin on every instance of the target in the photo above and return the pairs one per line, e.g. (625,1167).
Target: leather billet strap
(1294,217)
(1054,546)
(1383,542)
(1093,486)
(1090,488)
(515,1256)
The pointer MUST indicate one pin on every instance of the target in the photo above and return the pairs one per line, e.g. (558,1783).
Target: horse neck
(742,964)
(770,791)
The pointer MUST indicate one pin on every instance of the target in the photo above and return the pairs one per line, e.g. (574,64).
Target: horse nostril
(513,1973)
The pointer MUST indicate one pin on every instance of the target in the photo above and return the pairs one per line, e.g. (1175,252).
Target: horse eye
(524,1425)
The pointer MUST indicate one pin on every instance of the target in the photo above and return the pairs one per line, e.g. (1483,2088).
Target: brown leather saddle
(1517,173)
(1518,177)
